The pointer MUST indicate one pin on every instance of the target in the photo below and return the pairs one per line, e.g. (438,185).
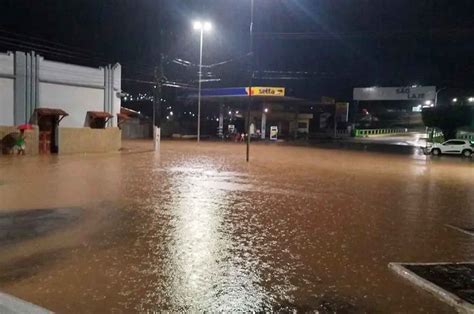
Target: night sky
(315,47)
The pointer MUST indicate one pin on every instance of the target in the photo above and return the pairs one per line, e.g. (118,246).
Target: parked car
(452,147)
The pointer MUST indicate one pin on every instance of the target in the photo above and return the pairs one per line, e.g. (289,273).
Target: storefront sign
(420,93)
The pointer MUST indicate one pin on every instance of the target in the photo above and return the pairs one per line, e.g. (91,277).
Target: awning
(99,115)
(50,112)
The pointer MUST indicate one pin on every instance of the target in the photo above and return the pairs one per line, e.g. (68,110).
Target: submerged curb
(12,305)
(448,297)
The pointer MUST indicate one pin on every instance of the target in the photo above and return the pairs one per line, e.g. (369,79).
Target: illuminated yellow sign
(267,91)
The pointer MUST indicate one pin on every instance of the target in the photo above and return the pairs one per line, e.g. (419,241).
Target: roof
(50,112)
(129,112)
(99,115)
(123,116)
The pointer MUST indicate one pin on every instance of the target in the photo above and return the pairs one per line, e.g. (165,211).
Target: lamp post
(201,27)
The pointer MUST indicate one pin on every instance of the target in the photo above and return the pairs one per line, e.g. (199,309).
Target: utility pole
(249,104)
(157,95)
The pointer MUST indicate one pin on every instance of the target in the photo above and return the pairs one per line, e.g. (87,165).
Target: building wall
(28,82)
(87,140)
(51,71)
(76,101)
(6,101)
(117,88)
(6,88)
(136,129)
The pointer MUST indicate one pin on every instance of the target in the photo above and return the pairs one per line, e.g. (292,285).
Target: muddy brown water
(195,228)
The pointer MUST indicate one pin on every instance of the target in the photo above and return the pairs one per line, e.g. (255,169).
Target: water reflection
(210,273)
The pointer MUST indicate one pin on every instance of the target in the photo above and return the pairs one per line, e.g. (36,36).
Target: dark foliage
(447,118)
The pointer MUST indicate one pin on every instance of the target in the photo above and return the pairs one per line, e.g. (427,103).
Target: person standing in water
(20,145)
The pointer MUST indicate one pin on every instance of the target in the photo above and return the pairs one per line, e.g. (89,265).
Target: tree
(447,118)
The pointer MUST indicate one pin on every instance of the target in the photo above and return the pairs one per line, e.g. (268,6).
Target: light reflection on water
(201,246)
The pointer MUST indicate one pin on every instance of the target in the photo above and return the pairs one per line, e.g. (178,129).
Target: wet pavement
(195,228)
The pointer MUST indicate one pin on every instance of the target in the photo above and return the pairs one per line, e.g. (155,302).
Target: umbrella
(25,126)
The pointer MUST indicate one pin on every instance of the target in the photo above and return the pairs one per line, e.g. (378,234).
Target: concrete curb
(459,229)
(12,305)
(453,300)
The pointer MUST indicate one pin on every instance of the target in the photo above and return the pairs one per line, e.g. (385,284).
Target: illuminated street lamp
(455,100)
(200,26)
(470,99)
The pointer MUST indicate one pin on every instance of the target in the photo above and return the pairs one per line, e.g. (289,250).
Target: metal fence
(375,132)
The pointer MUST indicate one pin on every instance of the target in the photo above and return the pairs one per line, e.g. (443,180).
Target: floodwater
(195,228)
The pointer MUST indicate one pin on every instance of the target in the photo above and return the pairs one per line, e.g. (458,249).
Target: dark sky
(338,44)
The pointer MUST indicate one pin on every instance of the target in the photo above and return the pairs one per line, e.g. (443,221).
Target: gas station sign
(267,91)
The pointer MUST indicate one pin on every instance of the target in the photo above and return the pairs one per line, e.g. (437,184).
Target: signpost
(157,138)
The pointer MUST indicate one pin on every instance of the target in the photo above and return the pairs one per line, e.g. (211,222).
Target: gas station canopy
(240,95)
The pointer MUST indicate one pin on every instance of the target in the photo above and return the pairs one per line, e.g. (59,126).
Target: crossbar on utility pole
(250,80)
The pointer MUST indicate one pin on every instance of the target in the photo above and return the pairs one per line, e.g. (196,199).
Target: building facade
(31,85)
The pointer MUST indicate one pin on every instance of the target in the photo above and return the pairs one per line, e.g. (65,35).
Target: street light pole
(199,88)
(201,27)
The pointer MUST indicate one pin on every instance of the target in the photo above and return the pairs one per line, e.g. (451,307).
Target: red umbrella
(25,126)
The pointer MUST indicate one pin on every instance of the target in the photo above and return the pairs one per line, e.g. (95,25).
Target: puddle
(21,225)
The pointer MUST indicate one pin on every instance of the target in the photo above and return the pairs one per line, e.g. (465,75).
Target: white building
(29,84)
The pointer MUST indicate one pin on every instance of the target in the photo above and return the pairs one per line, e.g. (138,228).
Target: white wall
(70,74)
(6,63)
(6,101)
(75,89)
(6,89)
(117,101)
(76,101)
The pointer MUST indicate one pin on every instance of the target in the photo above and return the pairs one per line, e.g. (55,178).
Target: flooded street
(195,228)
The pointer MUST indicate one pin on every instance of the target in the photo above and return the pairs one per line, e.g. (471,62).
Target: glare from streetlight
(470,99)
(266,110)
(199,25)
(455,100)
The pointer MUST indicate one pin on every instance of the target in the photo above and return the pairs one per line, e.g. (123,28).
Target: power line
(452,32)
